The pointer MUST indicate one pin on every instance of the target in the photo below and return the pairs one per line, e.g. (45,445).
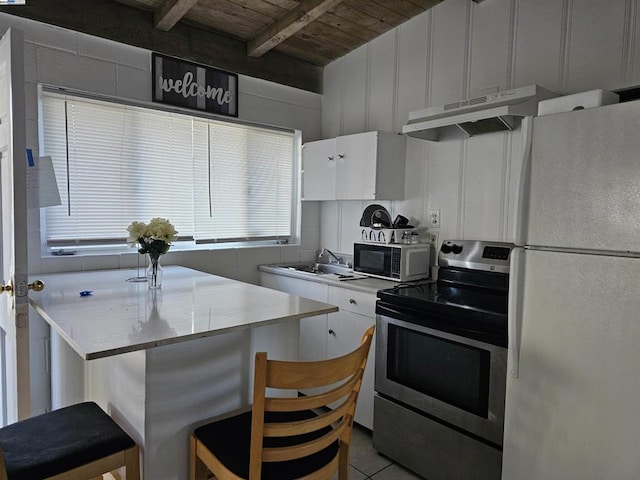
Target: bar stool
(73,443)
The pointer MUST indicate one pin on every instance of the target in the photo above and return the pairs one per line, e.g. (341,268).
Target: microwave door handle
(514,313)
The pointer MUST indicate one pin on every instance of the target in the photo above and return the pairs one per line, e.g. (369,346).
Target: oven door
(452,378)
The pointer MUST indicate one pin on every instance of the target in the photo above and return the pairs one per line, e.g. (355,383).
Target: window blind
(115,164)
(250,177)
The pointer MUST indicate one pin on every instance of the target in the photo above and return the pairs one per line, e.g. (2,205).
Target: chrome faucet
(326,250)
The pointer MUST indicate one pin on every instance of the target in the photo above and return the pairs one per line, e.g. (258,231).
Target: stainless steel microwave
(397,262)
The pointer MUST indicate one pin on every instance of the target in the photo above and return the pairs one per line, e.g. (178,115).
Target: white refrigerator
(573,380)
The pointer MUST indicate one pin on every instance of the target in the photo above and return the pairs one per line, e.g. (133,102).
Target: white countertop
(361,283)
(121,316)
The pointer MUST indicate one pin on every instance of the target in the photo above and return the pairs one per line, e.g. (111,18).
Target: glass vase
(154,272)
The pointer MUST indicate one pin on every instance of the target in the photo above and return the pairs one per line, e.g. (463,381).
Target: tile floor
(367,463)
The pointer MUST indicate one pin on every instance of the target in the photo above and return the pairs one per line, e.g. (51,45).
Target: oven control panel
(496,253)
(476,255)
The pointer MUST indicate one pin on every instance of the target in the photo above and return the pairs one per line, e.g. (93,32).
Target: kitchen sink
(318,268)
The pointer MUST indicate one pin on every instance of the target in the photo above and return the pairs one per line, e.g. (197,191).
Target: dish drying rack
(387,235)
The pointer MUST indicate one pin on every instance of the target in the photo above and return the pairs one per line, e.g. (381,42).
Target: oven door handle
(516,290)
(458,331)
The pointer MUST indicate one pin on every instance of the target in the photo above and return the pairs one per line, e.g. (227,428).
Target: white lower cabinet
(313,330)
(345,328)
(337,333)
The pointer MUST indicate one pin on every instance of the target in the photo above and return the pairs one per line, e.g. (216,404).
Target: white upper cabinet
(356,166)
(362,166)
(319,169)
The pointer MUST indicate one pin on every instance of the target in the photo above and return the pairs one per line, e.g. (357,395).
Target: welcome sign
(186,84)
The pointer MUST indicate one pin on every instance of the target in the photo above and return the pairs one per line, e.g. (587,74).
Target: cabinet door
(319,170)
(345,331)
(356,167)
(313,330)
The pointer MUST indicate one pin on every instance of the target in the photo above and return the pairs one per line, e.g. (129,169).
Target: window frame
(182,244)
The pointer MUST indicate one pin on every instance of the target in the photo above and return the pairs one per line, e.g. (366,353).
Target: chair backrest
(338,382)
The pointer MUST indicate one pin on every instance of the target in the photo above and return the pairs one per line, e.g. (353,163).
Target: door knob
(36,286)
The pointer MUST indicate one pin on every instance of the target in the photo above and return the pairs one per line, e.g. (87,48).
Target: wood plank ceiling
(256,37)
(318,31)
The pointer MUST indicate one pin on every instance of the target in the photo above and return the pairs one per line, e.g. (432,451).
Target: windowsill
(181,247)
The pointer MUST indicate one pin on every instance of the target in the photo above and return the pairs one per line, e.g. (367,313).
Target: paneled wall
(460,49)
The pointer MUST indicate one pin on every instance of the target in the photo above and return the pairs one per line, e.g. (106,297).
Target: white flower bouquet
(154,237)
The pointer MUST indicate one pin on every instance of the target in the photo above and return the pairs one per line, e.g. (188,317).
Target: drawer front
(302,288)
(353,301)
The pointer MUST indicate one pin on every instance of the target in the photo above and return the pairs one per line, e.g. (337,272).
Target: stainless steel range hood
(494,112)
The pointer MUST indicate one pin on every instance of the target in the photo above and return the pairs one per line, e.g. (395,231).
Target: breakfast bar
(163,361)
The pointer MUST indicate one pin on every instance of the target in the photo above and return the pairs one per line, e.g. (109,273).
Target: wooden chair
(79,442)
(287,438)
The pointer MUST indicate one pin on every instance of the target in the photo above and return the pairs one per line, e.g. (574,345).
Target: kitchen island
(163,361)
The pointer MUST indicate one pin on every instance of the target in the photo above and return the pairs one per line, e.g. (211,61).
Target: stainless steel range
(441,354)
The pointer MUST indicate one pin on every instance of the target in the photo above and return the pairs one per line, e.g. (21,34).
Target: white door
(14,307)
(572,412)
(345,332)
(584,179)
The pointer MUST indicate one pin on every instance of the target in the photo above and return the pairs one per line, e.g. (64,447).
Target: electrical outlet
(433,239)
(434,218)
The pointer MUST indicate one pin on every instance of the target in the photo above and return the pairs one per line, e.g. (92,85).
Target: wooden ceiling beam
(170,13)
(288,25)
(125,24)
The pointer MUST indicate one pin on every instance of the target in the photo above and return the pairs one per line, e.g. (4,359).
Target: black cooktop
(455,303)
(457,288)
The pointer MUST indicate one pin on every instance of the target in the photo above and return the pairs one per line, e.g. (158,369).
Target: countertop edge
(196,336)
(173,340)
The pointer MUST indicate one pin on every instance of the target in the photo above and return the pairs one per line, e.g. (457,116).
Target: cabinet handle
(331,332)
(352,301)
(330,157)
(341,155)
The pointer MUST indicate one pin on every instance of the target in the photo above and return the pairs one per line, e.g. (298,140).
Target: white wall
(62,58)
(460,49)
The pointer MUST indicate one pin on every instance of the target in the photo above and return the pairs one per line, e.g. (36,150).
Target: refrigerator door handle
(514,313)
(522,205)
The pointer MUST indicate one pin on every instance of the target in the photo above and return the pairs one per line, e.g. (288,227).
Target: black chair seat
(229,440)
(58,441)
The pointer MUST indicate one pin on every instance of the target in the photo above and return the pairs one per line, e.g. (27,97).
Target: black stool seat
(58,441)
(230,439)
